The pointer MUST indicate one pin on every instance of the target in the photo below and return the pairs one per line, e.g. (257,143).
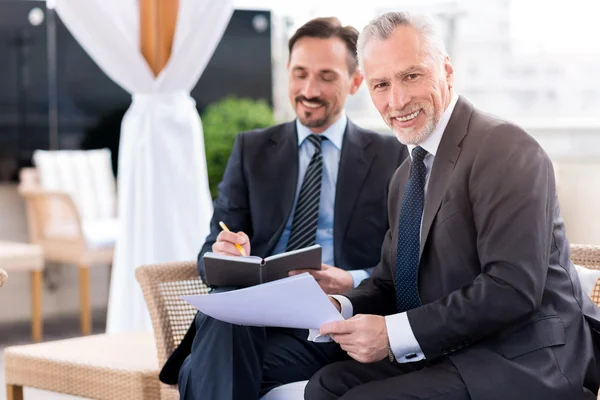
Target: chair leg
(36,305)
(14,392)
(84,300)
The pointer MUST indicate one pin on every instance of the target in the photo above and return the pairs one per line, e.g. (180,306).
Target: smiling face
(319,81)
(409,87)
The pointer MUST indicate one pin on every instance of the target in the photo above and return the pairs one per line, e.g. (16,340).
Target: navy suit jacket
(258,189)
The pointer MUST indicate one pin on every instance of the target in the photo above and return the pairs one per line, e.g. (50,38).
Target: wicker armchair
(162,286)
(3,277)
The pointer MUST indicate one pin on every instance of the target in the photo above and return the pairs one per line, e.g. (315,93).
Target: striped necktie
(306,215)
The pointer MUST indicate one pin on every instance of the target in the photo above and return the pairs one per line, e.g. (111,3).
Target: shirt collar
(432,142)
(335,132)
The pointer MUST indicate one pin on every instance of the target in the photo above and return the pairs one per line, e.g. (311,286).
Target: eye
(328,77)
(380,85)
(411,77)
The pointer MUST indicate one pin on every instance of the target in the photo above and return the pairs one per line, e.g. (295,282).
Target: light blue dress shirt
(330,150)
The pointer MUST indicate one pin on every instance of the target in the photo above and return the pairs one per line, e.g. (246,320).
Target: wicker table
(110,367)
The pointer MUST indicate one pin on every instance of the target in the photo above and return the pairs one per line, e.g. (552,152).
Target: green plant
(221,122)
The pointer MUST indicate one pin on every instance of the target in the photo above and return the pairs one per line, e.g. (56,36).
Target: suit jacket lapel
(282,156)
(443,164)
(355,162)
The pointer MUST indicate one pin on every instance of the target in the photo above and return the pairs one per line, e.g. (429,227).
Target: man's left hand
(363,337)
(332,280)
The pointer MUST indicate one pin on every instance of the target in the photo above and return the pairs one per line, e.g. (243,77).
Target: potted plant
(221,122)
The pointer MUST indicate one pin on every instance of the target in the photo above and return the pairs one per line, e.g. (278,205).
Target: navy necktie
(409,234)
(306,214)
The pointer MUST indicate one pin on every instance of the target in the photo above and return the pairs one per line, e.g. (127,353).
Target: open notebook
(251,270)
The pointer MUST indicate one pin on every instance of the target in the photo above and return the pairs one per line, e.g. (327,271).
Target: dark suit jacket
(500,296)
(258,190)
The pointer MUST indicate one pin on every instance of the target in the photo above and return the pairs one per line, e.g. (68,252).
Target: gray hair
(382,27)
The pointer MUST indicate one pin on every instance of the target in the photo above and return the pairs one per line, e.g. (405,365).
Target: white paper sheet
(294,302)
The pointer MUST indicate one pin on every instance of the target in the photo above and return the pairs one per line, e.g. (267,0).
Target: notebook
(251,270)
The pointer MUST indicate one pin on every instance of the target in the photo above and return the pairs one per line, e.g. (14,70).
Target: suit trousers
(243,363)
(351,380)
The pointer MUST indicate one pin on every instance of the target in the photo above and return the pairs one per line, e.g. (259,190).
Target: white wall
(575,151)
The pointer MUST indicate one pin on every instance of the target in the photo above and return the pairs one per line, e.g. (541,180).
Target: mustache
(317,100)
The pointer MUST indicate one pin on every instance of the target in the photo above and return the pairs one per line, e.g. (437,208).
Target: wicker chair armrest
(162,285)
(166,272)
(586,255)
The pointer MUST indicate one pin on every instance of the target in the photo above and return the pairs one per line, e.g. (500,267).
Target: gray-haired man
(475,296)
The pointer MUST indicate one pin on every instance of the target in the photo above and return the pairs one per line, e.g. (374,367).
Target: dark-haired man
(319,179)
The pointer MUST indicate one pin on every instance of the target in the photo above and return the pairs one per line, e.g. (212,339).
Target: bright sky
(547,26)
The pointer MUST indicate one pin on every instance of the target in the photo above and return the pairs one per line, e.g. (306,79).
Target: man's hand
(332,280)
(225,243)
(363,337)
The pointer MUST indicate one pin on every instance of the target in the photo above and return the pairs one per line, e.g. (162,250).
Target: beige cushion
(120,366)
(21,256)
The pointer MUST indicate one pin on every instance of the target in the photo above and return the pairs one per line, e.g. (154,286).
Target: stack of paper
(294,302)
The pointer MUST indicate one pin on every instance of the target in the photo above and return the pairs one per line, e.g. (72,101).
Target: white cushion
(102,233)
(98,233)
(588,278)
(291,391)
(85,175)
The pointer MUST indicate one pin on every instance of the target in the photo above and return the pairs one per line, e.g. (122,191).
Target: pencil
(240,248)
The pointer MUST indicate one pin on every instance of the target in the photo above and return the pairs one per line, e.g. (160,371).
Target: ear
(357,79)
(449,72)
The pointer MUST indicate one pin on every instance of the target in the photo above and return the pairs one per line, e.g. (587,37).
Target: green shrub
(221,122)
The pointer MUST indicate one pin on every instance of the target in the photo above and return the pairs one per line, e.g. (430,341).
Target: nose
(311,88)
(399,97)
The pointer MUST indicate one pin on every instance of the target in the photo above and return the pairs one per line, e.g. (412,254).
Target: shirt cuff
(359,275)
(403,343)
(346,305)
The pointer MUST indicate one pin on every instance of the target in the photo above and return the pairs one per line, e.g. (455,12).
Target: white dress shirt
(403,343)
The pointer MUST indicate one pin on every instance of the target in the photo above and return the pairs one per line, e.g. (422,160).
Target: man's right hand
(336,304)
(225,243)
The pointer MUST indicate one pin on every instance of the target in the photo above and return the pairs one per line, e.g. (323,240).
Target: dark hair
(327,28)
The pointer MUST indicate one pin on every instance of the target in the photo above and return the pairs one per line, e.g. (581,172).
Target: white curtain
(163,196)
